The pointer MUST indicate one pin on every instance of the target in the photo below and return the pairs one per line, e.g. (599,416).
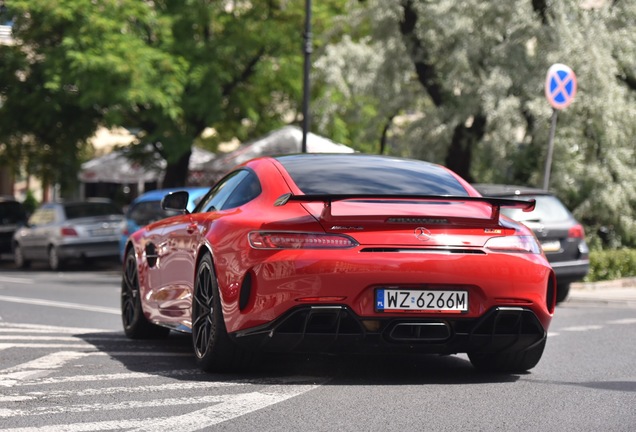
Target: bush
(30,203)
(612,264)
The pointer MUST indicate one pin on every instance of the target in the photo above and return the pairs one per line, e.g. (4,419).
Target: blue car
(146,208)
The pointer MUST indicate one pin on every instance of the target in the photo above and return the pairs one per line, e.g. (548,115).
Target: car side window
(43,216)
(246,191)
(215,199)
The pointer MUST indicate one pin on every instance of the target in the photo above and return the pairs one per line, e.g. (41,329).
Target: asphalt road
(66,365)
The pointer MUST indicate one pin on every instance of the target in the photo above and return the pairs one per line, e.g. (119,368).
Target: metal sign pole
(306,92)
(548,161)
(560,89)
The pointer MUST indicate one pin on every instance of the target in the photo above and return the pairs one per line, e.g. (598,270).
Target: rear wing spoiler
(328,199)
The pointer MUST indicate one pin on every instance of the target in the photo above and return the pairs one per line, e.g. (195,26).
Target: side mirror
(176,201)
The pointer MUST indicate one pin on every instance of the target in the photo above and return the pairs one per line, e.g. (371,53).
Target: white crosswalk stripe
(42,390)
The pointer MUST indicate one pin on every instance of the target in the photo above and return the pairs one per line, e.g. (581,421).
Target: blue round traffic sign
(560,86)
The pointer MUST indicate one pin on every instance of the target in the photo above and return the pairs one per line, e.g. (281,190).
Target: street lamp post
(307,50)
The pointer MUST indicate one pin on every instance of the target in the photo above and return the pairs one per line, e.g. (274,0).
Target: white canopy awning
(287,140)
(117,167)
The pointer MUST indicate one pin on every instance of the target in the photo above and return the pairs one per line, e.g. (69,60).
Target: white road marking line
(39,367)
(623,321)
(179,386)
(17,331)
(143,353)
(49,394)
(17,280)
(60,338)
(227,407)
(49,361)
(552,334)
(233,406)
(90,349)
(224,407)
(37,328)
(82,427)
(13,376)
(582,328)
(78,345)
(115,376)
(64,305)
(133,404)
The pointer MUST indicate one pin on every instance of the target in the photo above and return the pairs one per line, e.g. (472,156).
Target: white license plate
(102,232)
(420,300)
(551,246)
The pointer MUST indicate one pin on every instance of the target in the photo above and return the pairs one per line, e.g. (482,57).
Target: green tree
(45,127)
(481,66)
(168,68)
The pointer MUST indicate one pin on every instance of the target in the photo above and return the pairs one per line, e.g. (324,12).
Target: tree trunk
(460,152)
(385,133)
(465,136)
(177,172)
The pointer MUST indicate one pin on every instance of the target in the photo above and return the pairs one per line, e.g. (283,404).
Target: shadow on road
(173,358)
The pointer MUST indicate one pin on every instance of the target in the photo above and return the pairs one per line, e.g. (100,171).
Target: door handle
(191,228)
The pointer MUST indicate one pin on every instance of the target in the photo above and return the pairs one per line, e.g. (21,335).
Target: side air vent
(151,255)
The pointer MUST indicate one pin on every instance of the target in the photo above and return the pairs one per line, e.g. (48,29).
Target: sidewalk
(621,291)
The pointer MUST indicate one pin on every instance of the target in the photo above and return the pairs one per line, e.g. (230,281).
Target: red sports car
(341,253)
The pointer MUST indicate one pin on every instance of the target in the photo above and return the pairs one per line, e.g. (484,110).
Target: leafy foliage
(612,264)
(480,108)
(458,82)
(167,68)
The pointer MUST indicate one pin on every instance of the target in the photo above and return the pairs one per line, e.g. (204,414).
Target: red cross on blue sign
(560,86)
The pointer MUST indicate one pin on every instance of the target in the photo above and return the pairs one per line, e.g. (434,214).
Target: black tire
(214,350)
(136,326)
(54,260)
(563,289)
(509,361)
(18,257)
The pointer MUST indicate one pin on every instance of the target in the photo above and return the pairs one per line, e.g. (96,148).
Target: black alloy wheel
(563,289)
(18,257)
(55,263)
(213,348)
(136,326)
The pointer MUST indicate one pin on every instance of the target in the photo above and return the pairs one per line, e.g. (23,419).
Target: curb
(612,284)
(616,292)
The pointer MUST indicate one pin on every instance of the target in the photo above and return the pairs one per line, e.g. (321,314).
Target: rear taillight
(514,244)
(68,232)
(576,231)
(295,240)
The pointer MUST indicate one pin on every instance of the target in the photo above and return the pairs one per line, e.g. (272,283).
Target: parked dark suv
(12,217)
(561,235)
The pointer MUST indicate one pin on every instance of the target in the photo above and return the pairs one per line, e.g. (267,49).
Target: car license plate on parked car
(420,300)
(103,232)
(551,246)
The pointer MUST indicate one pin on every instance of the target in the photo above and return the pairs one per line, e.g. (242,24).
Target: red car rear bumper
(288,280)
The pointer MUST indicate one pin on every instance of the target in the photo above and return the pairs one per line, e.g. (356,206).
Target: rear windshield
(548,209)
(81,210)
(146,212)
(365,174)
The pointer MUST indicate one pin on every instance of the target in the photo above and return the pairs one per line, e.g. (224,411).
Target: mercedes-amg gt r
(342,253)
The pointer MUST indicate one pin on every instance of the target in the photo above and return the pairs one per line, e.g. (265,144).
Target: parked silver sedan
(63,231)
